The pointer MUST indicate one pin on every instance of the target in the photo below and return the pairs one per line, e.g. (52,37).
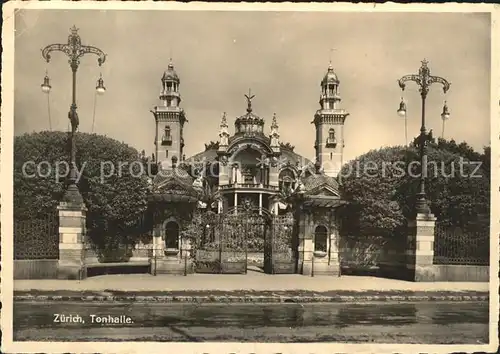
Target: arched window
(331,134)
(286,180)
(166,138)
(331,141)
(172,235)
(320,238)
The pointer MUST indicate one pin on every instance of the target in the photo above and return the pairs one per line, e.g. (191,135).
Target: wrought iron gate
(281,247)
(228,240)
(248,237)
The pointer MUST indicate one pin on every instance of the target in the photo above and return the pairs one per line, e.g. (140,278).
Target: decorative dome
(170,74)
(330,76)
(249,122)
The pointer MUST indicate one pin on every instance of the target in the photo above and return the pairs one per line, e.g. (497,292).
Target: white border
(140,347)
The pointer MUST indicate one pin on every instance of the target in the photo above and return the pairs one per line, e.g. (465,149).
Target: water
(372,322)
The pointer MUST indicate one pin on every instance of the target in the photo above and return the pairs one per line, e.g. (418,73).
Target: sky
(280,56)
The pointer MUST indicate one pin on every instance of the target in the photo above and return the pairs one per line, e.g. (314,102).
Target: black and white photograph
(249,178)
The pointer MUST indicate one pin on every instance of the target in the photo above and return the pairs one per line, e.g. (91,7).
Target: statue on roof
(249,98)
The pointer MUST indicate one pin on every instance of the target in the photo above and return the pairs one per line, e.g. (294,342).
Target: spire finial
(274,123)
(224,119)
(330,66)
(74,30)
(249,100)
(171,55)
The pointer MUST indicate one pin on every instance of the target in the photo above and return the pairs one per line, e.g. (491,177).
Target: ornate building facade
(254,183)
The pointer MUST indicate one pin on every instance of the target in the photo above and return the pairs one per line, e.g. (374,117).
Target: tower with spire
(223,133)
(329,122)
(170,119)
(275,135)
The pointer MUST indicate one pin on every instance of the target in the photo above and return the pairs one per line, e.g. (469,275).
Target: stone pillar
(72,233)
(237,175)
(420,248)
(333,251)
(186,257)
(276,208)
(157,249)
(224,174)
(306,246)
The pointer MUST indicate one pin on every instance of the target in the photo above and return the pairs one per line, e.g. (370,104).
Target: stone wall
(458,273)
(35,269)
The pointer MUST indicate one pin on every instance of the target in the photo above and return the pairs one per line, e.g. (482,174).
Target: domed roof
(330,76)
(170,73)
(250,117)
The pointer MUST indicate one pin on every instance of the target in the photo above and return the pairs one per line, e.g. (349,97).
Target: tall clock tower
(169,119)
(329,122)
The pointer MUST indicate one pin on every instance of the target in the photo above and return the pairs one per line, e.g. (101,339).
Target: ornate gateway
(243,237)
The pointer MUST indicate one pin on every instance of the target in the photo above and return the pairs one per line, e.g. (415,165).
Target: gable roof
(176,176)
(315,181)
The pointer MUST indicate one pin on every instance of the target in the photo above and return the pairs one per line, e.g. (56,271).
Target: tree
(370,184)
(209,195)
(457,188)
(289,197)
(112,182)
(381,186)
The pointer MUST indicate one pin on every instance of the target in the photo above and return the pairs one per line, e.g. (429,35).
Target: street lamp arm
(87,49)
(53,48)
(440,80)
(74,53)
(406,78)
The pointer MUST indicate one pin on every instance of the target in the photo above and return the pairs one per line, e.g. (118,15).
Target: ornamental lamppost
(74,50)
(424,80)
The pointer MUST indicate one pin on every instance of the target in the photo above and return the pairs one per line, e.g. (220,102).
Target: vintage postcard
(249,178)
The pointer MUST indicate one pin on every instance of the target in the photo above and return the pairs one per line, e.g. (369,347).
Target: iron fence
(37,238)
(453,245)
